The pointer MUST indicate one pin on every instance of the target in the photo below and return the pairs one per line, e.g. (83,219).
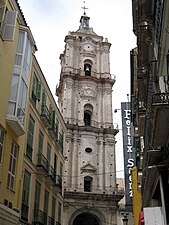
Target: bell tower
(85,101)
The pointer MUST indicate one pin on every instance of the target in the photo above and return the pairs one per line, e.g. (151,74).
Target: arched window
(88,109)
(87,118)
(87,69)
(88,184)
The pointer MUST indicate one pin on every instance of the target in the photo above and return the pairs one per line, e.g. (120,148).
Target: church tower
(85,101)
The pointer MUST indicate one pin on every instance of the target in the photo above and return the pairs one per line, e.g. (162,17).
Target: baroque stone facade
(85,101)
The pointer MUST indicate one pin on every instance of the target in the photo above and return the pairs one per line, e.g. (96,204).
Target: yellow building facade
(31,129)
(16,49)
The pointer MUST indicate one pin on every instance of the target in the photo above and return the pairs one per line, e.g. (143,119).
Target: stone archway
(86,219)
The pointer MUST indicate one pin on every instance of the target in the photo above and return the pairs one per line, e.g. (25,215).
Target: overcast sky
(50,21)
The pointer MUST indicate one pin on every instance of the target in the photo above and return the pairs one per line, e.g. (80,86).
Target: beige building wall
(41,171)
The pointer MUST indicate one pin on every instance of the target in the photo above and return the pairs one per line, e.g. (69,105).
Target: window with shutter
(46,205)
(55,165)
(60,213)
(43,102)
(38,92)
(50,114)
(48,152)
(2,13)
(53,207)
(12,166)
(25,195)
(37,195)
(9,26)
(40,145)
(30,136)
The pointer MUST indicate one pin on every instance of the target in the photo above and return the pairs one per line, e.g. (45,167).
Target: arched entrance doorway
(86,219)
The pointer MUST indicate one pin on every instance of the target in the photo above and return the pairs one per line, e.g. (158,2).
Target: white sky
(50,21)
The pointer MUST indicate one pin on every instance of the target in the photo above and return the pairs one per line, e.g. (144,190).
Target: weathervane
(84,8)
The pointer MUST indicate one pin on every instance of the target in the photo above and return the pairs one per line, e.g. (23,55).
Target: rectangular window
(30,135)
(40,144)
(9,26)
(19,49)
(7,22)
(46,204)
(37,196)
(22,101)
(20,78)
(48,152)
(60,213)
(53,207)
(27,58)
(25,195)
(2,135)
(2,12)
(61,141)
(55,166)
(12,166)
(36,89)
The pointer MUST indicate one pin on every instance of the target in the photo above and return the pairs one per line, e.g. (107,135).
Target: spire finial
(84,8)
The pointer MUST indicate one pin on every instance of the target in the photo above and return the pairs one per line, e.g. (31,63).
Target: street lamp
(125,219)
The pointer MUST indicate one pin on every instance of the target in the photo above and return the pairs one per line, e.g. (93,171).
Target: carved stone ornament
(88,93)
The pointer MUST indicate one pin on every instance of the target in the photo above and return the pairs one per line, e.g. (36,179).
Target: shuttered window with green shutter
(46,205)
(25,195)
(37,198)
(30,136)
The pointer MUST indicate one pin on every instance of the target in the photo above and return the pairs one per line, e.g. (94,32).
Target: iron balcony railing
(42,162)
(58,182)
(161,98)
(40,217)
(45,115)
(53,131)
(51,175)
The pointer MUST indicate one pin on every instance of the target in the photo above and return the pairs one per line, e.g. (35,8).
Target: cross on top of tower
(84,8)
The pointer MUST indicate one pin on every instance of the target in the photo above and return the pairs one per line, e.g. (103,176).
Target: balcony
(45,116)
(51,175)
(42,164)
(58,183)
(40,218)
(53,131)
(160,119)
(15,124)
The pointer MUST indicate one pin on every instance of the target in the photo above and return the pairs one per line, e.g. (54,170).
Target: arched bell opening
(88,183)
(87,69)
(88,109)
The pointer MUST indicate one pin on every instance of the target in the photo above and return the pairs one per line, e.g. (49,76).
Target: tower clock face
(88,47)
